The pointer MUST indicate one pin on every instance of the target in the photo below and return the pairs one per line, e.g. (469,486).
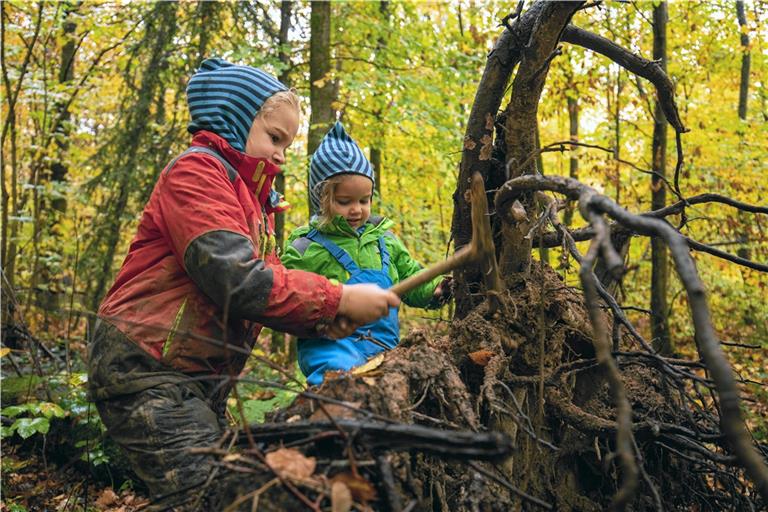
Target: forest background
(94,107)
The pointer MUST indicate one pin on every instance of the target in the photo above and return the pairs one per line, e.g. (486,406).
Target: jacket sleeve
(421,296)
(209,235)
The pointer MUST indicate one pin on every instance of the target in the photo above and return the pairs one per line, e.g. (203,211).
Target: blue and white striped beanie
(224,98)
(336,154)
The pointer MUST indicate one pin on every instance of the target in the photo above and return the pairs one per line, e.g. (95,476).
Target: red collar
(257,173)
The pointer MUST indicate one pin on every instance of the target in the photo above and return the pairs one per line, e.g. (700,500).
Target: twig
(533,499)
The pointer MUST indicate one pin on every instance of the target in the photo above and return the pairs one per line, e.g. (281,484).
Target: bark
(521,121)
(11,95)
(321,92)
(206,14)
(476,154)
(745,60)
(746,57)
(659,264)
(59,169)
(573,162)
(286,7)
(54,208)
(377,145)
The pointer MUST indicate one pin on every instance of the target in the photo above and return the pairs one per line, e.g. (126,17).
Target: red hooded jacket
(201,275)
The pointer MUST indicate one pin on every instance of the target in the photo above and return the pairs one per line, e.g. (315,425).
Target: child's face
(352,199)
(272,133)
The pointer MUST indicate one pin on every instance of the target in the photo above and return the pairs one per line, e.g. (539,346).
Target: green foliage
(72,412)
(258,399)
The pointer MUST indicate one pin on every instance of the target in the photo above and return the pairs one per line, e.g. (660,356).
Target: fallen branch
(377,435)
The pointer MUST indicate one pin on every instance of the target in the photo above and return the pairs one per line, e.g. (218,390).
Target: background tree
(322,90)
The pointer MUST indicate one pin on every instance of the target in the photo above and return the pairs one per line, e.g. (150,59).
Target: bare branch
(633,63)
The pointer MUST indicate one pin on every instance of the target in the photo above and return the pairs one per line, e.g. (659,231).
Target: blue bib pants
(319,355)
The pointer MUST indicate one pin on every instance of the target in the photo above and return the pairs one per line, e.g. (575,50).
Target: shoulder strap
(231,172)
(384,255)
(337,252)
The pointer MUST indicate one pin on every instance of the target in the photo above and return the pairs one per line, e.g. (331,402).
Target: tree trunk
(746,57)
(54,207)
(321,92)
(573,164)
(745,60)
(59,168)
(659,264)
(286,6)
(11,95)
(478,145)
(520,135)
(161,29)
(377,145)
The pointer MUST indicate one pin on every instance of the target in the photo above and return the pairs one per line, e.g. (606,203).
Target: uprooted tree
(543,395)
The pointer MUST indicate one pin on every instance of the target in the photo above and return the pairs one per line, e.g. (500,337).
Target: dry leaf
(362,490)
(264,394)
(291,463)
(518,211)
(485,151)
(371,364)
(107,498)
(481,357)
(336,411)
(489,121)
(341,497)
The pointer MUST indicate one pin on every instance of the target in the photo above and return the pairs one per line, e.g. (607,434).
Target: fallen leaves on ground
(361,489)
(291,463)
(335,411)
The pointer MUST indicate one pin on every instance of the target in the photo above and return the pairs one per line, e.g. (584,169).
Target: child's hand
(444,291)
(360,304)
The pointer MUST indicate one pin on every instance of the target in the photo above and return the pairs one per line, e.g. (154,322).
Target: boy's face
(272,133)
(352,199)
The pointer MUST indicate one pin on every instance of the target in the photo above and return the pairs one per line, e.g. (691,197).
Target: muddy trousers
(156,426)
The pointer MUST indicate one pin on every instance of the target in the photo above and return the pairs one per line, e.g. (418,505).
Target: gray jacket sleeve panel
(301,244)
(223,266)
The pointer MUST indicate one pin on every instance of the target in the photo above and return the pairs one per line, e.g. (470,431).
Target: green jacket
(304,254)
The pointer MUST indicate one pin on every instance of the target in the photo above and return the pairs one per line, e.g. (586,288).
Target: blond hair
(327,194)
(288,97)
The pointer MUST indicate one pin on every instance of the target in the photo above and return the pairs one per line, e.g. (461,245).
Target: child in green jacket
(343,242)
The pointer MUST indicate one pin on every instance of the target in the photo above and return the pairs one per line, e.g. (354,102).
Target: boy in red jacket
(201,278)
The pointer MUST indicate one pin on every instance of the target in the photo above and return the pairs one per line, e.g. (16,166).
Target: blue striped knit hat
(337,154)
(224,98)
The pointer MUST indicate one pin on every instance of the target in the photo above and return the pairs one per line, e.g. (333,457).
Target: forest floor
(30,483)
(33,481)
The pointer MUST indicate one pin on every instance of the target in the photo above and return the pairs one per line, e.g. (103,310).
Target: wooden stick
(480,250)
